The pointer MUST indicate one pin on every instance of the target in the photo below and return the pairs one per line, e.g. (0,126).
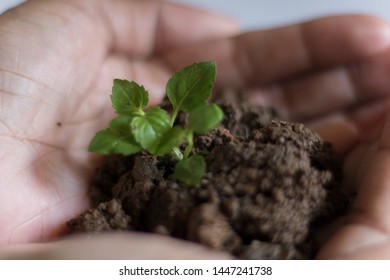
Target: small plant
(140,127)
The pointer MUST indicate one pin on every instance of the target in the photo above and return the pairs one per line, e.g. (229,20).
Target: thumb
(184,25)
(113,246)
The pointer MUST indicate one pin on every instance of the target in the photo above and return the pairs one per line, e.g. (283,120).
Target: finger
(133,27)
(367,229)
(266,57)
(113,246)
(346,128)
(357,241)
(374,192)
(338,89)
(140,28)
(311,96)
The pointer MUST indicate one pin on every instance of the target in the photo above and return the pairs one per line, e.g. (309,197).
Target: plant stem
(140,113)
(173,118)
(190,144)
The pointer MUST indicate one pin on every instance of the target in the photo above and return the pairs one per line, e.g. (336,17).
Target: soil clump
(270,185)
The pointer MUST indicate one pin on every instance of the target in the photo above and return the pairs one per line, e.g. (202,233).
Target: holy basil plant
(139,127)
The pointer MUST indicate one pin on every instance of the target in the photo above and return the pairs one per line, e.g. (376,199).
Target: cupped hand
(331,74)
(58,60)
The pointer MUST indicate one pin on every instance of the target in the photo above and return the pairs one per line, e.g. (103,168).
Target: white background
(281,270)
(271,13)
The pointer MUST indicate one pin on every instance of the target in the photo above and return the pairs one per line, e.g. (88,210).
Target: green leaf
(116,139)
(128,97)
(191,86)
(121,123)
(204,118)
(190,170)
(151,127)
(171,139)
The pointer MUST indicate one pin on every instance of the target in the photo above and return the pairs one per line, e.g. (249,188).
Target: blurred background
(273,13)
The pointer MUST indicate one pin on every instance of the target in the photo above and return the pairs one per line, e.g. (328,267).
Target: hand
(58,59)
(364,233)
(57,63)
(331,74)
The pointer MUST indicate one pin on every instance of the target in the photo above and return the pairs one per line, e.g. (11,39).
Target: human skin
(57,62)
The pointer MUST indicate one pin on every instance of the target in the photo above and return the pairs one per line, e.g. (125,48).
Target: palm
(46,134)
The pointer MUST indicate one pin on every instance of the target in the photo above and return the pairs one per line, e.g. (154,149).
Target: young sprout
(139,127)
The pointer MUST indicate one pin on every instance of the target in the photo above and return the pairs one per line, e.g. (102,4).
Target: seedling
(153,129)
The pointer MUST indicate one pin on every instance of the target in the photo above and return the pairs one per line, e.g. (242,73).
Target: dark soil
(270,184)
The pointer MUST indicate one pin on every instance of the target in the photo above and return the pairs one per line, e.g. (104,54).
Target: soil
(270,185)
